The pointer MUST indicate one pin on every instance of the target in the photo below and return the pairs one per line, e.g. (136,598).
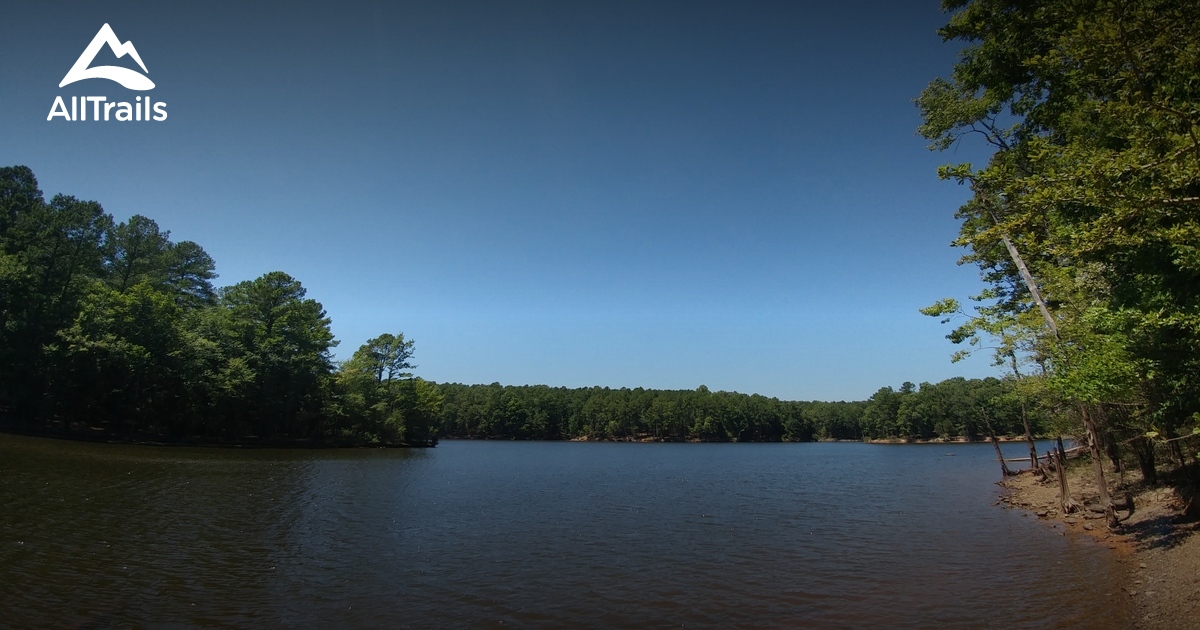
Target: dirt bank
(1157,544)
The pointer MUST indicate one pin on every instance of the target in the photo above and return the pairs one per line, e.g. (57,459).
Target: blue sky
(657,194)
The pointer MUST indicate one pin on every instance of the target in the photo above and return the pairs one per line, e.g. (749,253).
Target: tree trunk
(1113,450)
(999,455)
(996,444)
(1064,494)
(1145,454)
(1029,283)
(1098,464)
(1173,444)
(1033,458)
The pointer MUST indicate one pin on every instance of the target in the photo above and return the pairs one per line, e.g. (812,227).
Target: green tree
(1086,213)
(285,341)
(49,255)
(386,404)
(188,275)
(134,252)
(386,357)
(121,359)
(112,326)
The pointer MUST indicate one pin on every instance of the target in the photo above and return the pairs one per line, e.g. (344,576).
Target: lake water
(534,534)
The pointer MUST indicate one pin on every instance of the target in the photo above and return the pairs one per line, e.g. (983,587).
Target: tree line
(953,408)
(112,329)
(1085,219)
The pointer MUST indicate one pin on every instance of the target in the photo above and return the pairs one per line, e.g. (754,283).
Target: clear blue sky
(657,194)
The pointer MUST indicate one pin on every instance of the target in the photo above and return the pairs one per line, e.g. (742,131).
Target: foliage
(1093,111)
(112,328)
(949,409)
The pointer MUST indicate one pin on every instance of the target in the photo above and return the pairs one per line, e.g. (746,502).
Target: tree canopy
(1085,221)
(951,409)
(112,329)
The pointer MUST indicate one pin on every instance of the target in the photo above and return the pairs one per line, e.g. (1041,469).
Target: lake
(534,534)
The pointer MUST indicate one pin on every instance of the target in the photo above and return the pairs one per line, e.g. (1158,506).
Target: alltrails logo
(140,109)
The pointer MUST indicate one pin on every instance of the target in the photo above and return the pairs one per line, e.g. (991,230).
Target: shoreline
(648,439)
(100,437)
(1003,439)
(1156,544)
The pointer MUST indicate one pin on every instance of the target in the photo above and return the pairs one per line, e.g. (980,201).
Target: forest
(1085,219)
(953,408)
(1084,223)
(111,329)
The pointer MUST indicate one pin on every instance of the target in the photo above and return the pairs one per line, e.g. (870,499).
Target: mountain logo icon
(130,79)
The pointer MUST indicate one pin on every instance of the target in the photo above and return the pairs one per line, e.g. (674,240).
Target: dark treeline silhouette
(953,408)
(111,329)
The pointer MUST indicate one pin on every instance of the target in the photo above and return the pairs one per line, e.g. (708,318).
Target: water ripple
(532,535)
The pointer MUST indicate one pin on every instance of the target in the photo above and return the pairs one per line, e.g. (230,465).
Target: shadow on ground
(1167,531)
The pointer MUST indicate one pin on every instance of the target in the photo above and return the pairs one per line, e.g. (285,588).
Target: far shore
(692,440)
(948,440)
(249,442)
(94,434)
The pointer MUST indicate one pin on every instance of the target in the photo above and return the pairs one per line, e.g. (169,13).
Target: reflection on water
(554,534)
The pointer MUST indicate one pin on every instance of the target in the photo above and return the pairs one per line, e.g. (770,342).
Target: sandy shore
(1158,544)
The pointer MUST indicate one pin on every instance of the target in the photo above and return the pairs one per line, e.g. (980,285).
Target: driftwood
(1069,453)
